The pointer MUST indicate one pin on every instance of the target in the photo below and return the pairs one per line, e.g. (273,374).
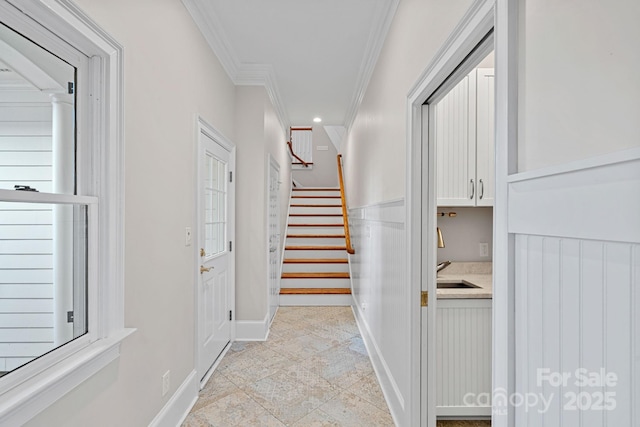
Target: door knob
(204,269)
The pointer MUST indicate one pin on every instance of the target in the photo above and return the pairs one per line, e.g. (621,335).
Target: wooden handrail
(345,218)
(306,165)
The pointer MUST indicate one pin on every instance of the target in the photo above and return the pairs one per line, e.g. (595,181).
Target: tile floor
(312,371)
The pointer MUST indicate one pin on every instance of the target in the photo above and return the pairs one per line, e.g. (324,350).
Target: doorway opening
(459,119)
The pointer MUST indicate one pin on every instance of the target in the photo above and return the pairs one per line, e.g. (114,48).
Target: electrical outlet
(166,382)
(187,236)
(484,249)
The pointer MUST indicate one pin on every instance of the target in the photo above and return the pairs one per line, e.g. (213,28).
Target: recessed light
(317,120)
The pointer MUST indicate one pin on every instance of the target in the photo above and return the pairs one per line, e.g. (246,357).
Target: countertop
(479,274)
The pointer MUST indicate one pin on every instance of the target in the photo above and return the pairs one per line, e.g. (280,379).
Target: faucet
(440,239)
(442,265)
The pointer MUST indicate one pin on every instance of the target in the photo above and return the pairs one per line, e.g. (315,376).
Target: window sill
(26,400)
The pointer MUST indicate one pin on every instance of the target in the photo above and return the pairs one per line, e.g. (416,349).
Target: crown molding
(264,75)
(377,36)
(239,73)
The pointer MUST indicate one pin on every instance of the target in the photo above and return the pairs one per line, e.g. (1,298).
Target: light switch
(484,249)
(187,236)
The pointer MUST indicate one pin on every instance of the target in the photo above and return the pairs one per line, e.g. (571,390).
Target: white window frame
(32,388)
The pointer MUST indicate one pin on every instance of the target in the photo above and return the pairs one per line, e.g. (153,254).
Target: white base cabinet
(463,358)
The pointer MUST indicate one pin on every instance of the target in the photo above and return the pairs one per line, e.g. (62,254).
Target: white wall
(258,132)
(325,167)
(579,85)
(375,150)
(463,234)
(251,294)
(171,76)
(375,169)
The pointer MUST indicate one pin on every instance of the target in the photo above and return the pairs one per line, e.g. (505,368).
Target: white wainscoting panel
(380,291)
(578,294)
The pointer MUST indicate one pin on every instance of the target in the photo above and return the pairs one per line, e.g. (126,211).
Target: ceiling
(315,57)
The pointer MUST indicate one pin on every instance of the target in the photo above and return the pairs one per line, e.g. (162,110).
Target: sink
(455,285)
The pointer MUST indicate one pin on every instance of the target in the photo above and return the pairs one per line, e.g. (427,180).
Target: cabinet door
(485,136)
(454,119)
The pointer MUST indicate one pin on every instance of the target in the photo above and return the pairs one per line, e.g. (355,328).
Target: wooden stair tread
(315,206)
(320,275)
(314,214)
(318,225)
(315,248)
(315,189)
(315,197)
(314,291)
(315,236)
(316,261)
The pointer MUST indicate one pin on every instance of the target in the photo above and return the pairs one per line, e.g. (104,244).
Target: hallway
(312,371)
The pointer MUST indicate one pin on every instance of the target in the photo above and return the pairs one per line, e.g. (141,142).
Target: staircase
(315,269)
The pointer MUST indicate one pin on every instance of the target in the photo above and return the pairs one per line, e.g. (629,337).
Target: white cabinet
(464,135)
(463,357)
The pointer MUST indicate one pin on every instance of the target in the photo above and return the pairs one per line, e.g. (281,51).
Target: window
(43,246)
(61,286)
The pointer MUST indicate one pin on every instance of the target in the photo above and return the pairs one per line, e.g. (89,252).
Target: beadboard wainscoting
(380,292)
(577,276)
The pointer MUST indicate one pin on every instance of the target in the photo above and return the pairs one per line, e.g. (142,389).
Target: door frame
(271,161)
(482,16)
(204,128)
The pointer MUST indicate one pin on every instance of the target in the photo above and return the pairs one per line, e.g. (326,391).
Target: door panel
(214,287)
(274,237)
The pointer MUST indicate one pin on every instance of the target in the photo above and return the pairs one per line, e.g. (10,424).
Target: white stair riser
(314,201)
(314,268)
(316,193)
(314,210)
(308,241)
(316,220)
(316,300)
(315,283)
(338,229)
(288,253)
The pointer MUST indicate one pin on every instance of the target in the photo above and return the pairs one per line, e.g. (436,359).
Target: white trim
(33,197)
(48,22)
(211,29)
(470,31)
(372,51)
(24,404)
(506,120)
(574,202)
(252,330)
(271,161)
(239,73)
(629,155)
(175,411)
(390,389)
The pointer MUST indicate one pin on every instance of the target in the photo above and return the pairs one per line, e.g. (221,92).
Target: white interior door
(215,272)
(274,261)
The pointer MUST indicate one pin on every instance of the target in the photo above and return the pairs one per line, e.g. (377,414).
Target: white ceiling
(314,56)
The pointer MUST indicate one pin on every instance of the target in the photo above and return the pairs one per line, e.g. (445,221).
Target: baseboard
(252,330)
(178,407)
(387,383)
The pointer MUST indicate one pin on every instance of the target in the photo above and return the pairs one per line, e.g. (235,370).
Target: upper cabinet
(464,135)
